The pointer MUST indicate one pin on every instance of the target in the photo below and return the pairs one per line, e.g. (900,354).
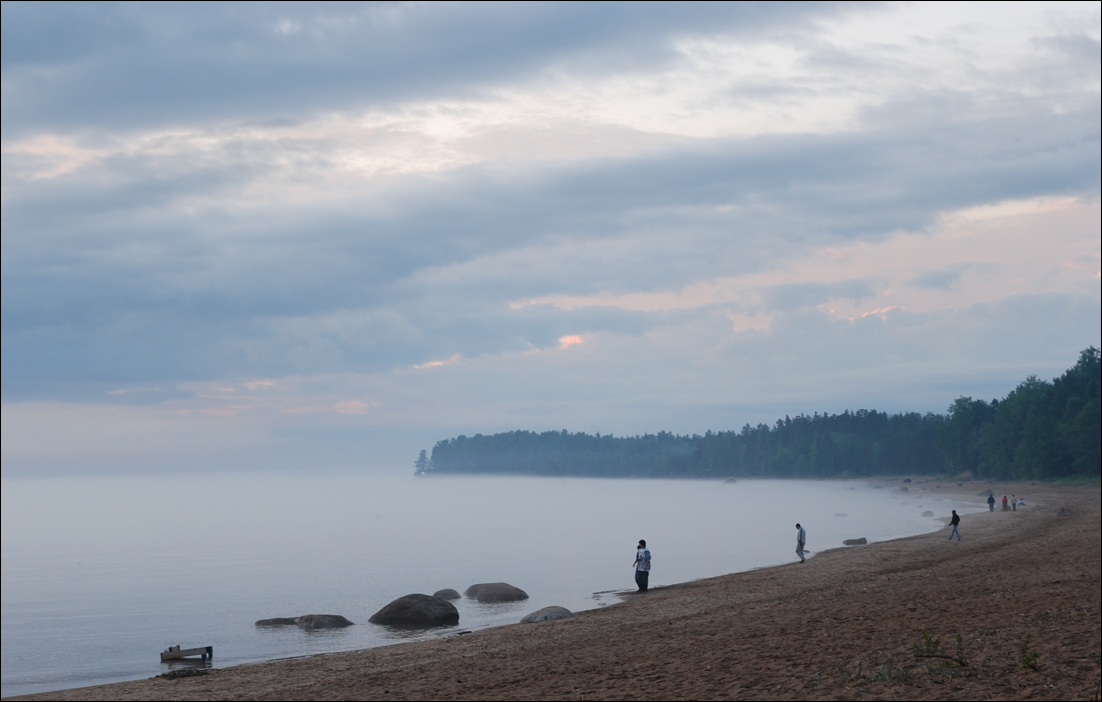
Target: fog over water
(101,574)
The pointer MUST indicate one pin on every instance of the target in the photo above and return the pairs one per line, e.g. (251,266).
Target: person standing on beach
(954,522)
(801,540)
(642,565)
(991,502)
(1014,502)
(1006,505)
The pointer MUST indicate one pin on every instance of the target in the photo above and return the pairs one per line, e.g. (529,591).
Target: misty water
(101,574)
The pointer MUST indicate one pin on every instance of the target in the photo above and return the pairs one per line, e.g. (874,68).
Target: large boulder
(855,542)
(447,594)
(546,614)
(276,621)
(417,610)
(496,592)
(322,621)
(927,513)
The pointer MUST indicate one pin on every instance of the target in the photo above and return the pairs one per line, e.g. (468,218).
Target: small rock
(1064,511)
(276,621)
(547,613)
(495,592)
(927,513)
(987,493)
(730,480)
(447,594)
(855,542)
(322,621)
(906,480)
(417,610)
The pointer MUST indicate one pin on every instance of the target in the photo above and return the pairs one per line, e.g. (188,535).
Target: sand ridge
(841,626)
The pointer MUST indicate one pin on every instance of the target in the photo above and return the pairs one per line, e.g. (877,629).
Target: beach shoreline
(816,630)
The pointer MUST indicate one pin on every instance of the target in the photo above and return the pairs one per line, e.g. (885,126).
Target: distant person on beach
(1014,502)
(1006,504)
(1022,502)
(991,502)
(642,565)
(954,522)
(801,540)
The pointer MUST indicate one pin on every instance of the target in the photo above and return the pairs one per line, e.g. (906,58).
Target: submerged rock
(855,542)
(322,621)
(546,614)
(308,621)
(276,621)
(447,594)
(496,592)
(417,610)
(927,513)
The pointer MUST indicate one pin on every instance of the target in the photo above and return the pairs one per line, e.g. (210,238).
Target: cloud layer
(364,228)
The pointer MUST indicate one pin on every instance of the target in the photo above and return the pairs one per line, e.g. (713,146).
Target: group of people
(1010,505)
(642,553)
(642,556)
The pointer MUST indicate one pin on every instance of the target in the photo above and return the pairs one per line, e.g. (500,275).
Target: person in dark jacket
(954,522)
(642,565)
(991,502)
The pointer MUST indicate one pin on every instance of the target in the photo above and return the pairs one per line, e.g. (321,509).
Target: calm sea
(101,574)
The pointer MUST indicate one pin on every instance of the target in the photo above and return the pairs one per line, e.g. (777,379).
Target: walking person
(954,522)
(801,541)
(991,502)
(642,565)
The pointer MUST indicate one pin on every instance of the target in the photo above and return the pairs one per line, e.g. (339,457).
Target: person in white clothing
(801,540)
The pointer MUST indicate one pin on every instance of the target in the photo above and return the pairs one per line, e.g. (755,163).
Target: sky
(317,237)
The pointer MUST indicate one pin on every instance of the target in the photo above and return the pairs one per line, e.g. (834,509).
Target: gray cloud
(75,67)
(141,272)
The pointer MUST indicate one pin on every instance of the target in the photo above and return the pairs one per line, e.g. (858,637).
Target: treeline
(1041,430)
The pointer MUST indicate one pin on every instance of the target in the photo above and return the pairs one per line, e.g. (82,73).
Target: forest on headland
(1041,430)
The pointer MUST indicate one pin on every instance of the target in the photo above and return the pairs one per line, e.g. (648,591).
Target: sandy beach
(841,626)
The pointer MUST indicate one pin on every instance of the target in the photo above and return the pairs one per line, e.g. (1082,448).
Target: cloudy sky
(318,237)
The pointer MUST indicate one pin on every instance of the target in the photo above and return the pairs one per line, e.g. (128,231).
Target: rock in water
(276,621)
(447,594)
(730,480)
(417,610)
(927,513)
(496,592)
(547,613)
(855,542)
(322,621)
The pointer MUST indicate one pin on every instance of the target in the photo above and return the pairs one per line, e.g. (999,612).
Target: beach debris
(308,621)
(496,592)
(547,614)
(417,610)
(855,542)
(447,594)
(927,513)
(173,653)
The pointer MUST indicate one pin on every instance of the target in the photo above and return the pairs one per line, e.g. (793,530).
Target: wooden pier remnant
(173,653)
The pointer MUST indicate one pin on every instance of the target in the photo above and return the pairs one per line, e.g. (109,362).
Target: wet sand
(841,626)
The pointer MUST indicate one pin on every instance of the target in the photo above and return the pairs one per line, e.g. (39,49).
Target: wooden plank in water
(206,653)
